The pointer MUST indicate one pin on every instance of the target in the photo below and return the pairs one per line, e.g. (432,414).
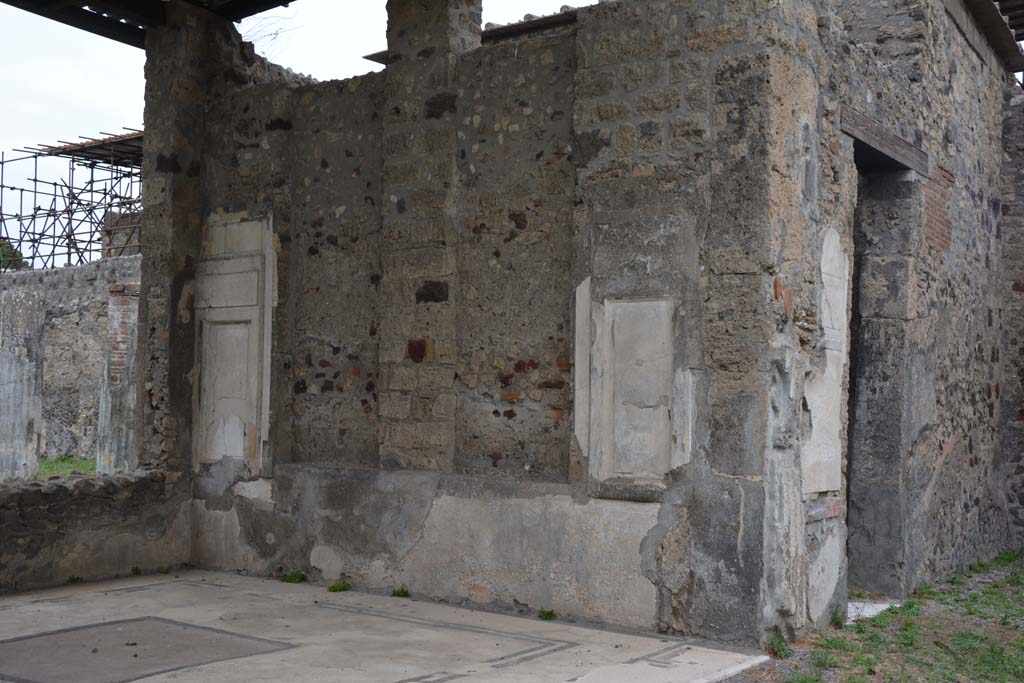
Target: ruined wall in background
(67,388)
(68,339)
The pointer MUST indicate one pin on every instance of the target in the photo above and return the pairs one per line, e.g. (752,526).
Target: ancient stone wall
(560,318)
(68,339)
(1010,393)
(310,157)
(926,488)
(452,237)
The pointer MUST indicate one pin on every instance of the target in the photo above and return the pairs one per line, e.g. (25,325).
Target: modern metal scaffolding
(88,210)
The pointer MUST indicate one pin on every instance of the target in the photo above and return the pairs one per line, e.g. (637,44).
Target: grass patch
(339,586)
(136,570)
(402,592)
(969,629)
(63,467)
(546,615)
(1008,558)
(294,577)
(804,677)
(824,660)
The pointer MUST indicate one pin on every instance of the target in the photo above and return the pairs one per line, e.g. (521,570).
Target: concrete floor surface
(207,626)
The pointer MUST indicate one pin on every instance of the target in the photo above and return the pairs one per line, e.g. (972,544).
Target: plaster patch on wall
(682,417)
(821,455)
(824,571)
(581,425)
(258,490)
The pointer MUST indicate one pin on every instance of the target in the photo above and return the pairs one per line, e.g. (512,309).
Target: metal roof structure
(1013,10)
(1002,27)
(123,149)
(127,20)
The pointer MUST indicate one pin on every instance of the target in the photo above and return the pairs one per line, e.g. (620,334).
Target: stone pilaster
(418,322)
(179,67)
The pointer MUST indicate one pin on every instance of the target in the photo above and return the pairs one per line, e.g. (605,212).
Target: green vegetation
(294,577)
(339,586)
(166,569)
(11,258)
(402,592)
(777,646)
(136,570)
(969,629)
(812,677)
(546,615)
(62,467)
(74,579)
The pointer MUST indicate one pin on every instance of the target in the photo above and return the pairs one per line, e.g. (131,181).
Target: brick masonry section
(938,226)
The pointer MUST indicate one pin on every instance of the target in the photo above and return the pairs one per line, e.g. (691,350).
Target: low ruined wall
(85,528)
(67,349)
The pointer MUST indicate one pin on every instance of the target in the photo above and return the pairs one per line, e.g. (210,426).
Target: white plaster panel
(633,370)
(227,393)
(245,237)
(821,454)
(835,280)
(682,417)
(235,279)
(581,426)
(219,290)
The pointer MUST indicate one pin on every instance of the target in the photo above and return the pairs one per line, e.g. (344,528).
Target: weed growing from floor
(546,615)
(339,586)
(136,570)
(294,577)
(74,579)
(402,592)
(777,646)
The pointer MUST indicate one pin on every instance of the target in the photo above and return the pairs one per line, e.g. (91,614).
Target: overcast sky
(58,82)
